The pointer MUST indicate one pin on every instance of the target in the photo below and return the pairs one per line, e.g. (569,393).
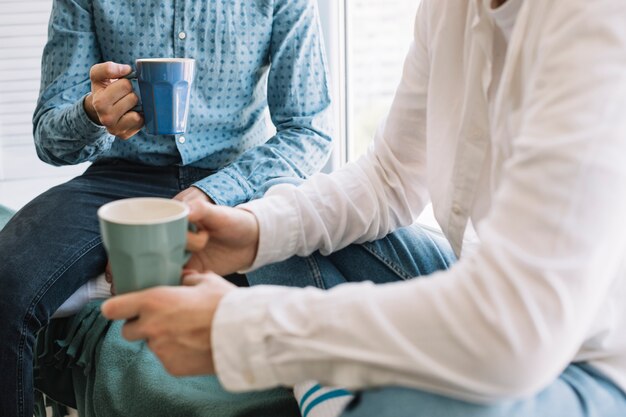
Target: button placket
(180,34)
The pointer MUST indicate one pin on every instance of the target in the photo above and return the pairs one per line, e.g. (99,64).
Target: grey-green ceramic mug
(145,239)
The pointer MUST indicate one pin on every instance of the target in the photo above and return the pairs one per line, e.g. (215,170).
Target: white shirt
(505,16)
(546,287)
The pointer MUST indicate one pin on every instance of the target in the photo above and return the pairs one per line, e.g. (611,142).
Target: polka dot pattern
(260,100)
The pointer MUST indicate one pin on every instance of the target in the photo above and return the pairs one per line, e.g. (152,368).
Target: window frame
(334,20)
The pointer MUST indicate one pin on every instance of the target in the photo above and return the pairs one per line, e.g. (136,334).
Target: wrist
(252,249)
(90,110)
(204,194)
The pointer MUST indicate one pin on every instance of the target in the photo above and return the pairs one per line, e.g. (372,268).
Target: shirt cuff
(279,228)
(238,339)
(83,125)
(226,187)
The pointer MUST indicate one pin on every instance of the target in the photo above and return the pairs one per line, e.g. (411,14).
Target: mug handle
(133,79)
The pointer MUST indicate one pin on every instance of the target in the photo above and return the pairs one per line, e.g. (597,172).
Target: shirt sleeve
(504,322)
(64,134)
(300,107)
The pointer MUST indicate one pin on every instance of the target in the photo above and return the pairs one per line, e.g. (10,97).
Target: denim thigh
(580,391)
(404,254)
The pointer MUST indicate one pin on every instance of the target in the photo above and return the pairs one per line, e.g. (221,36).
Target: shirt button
(456,209)
(182,35)
(182,140)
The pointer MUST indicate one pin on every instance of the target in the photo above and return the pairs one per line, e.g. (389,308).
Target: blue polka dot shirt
(260,104)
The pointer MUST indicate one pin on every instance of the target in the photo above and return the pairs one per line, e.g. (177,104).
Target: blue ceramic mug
(165,89)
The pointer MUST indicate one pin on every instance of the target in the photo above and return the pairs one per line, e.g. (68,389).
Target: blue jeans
(580,391)
(50,248)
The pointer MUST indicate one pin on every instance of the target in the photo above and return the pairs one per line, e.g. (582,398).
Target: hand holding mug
(175,322)
(112,99)
(193,193)
(226,240)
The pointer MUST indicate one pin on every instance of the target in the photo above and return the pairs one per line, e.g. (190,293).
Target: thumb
(108,71)
(193,279)
(122,307)
(199,210)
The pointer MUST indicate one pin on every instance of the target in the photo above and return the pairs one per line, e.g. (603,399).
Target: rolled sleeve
(226,187)
(63,133)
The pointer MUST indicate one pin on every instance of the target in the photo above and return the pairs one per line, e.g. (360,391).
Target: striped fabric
(317,401)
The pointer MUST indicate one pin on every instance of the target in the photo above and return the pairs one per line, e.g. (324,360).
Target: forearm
(359,202)
(63,132)
(384,190)
(293,153)
(493,328)
(66,135)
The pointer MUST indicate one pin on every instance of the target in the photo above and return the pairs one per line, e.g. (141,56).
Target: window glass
(378,36)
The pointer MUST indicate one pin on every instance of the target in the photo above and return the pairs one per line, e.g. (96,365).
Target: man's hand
(192,193)
(112,99)
(226,241)
(175,321)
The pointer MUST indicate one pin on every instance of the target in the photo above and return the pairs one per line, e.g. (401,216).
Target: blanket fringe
(65,346)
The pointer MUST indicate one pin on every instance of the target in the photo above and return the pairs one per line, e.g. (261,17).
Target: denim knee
(295,272)
(407,253)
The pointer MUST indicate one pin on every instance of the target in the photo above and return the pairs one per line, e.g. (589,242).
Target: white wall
(23,28)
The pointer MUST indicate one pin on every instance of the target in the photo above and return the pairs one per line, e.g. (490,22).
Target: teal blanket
(84,363)
(112,377)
